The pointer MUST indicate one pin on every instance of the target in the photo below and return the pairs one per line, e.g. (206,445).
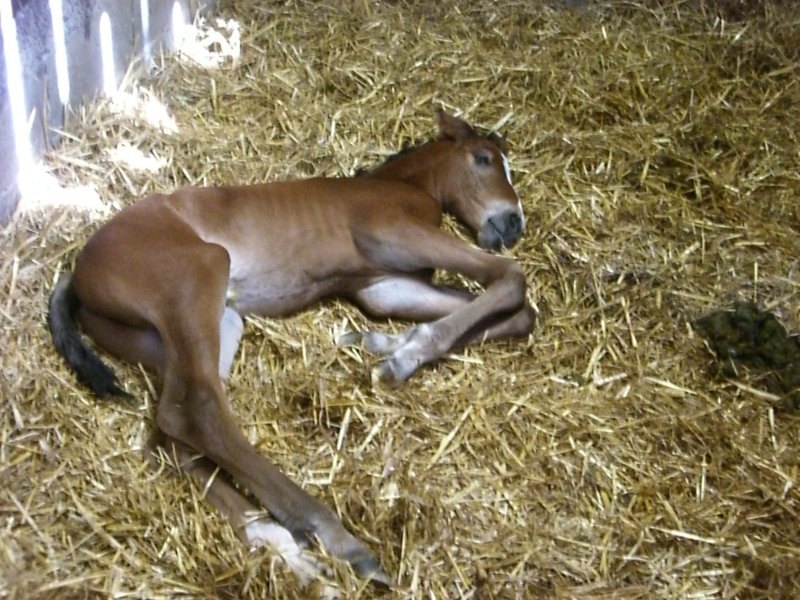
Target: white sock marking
(230,334)
(305,567)
(506,168)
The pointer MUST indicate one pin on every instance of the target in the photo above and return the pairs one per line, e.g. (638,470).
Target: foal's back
(292,243)
(309,206)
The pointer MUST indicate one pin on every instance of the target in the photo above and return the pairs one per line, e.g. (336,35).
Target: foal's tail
(90,370)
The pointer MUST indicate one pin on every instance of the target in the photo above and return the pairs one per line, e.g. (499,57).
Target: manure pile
(655,148)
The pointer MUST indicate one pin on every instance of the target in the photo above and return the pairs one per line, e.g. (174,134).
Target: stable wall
(138,27)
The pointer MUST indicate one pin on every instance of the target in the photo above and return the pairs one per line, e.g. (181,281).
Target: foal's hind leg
(252,526)
(143,345)
(231,328)
(193,410)
(138,345)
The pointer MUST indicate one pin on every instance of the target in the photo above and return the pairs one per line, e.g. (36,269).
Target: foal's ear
(451,127)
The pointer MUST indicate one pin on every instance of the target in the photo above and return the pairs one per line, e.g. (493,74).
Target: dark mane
(405,149)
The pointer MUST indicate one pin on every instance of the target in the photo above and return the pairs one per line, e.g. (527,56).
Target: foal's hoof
(380,343)
(305,567)
(351,338)
(365,565)
(382,374)
(373,342)
(394,370)
(369,568)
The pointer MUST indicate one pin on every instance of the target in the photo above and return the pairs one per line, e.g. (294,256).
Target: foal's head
(468,174)
(474,183)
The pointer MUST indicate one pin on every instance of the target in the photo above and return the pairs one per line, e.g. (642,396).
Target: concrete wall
(81,23)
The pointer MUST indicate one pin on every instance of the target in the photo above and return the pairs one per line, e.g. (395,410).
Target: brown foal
(166,281)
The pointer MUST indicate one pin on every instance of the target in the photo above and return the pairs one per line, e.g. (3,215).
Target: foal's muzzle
(501,230)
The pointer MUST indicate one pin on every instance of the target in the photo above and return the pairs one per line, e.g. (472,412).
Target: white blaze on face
(506,168)
(507,171)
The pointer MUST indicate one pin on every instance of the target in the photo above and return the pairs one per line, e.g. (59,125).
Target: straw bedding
(656,150)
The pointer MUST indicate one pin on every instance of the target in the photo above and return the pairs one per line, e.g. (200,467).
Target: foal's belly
(281,266)
(269,298)
(275,293)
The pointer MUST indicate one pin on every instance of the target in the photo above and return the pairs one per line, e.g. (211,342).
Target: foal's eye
(482,158)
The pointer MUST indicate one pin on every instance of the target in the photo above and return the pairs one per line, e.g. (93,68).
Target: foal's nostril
(502,230)
(513,222)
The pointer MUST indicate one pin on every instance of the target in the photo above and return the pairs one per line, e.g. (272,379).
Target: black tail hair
(90,370)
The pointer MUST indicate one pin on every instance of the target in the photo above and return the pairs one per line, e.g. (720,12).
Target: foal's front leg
(500,311)
(416,299)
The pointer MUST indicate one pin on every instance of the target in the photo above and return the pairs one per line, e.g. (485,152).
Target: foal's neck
(421,167)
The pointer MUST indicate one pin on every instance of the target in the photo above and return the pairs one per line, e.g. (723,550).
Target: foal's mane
(405,149)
